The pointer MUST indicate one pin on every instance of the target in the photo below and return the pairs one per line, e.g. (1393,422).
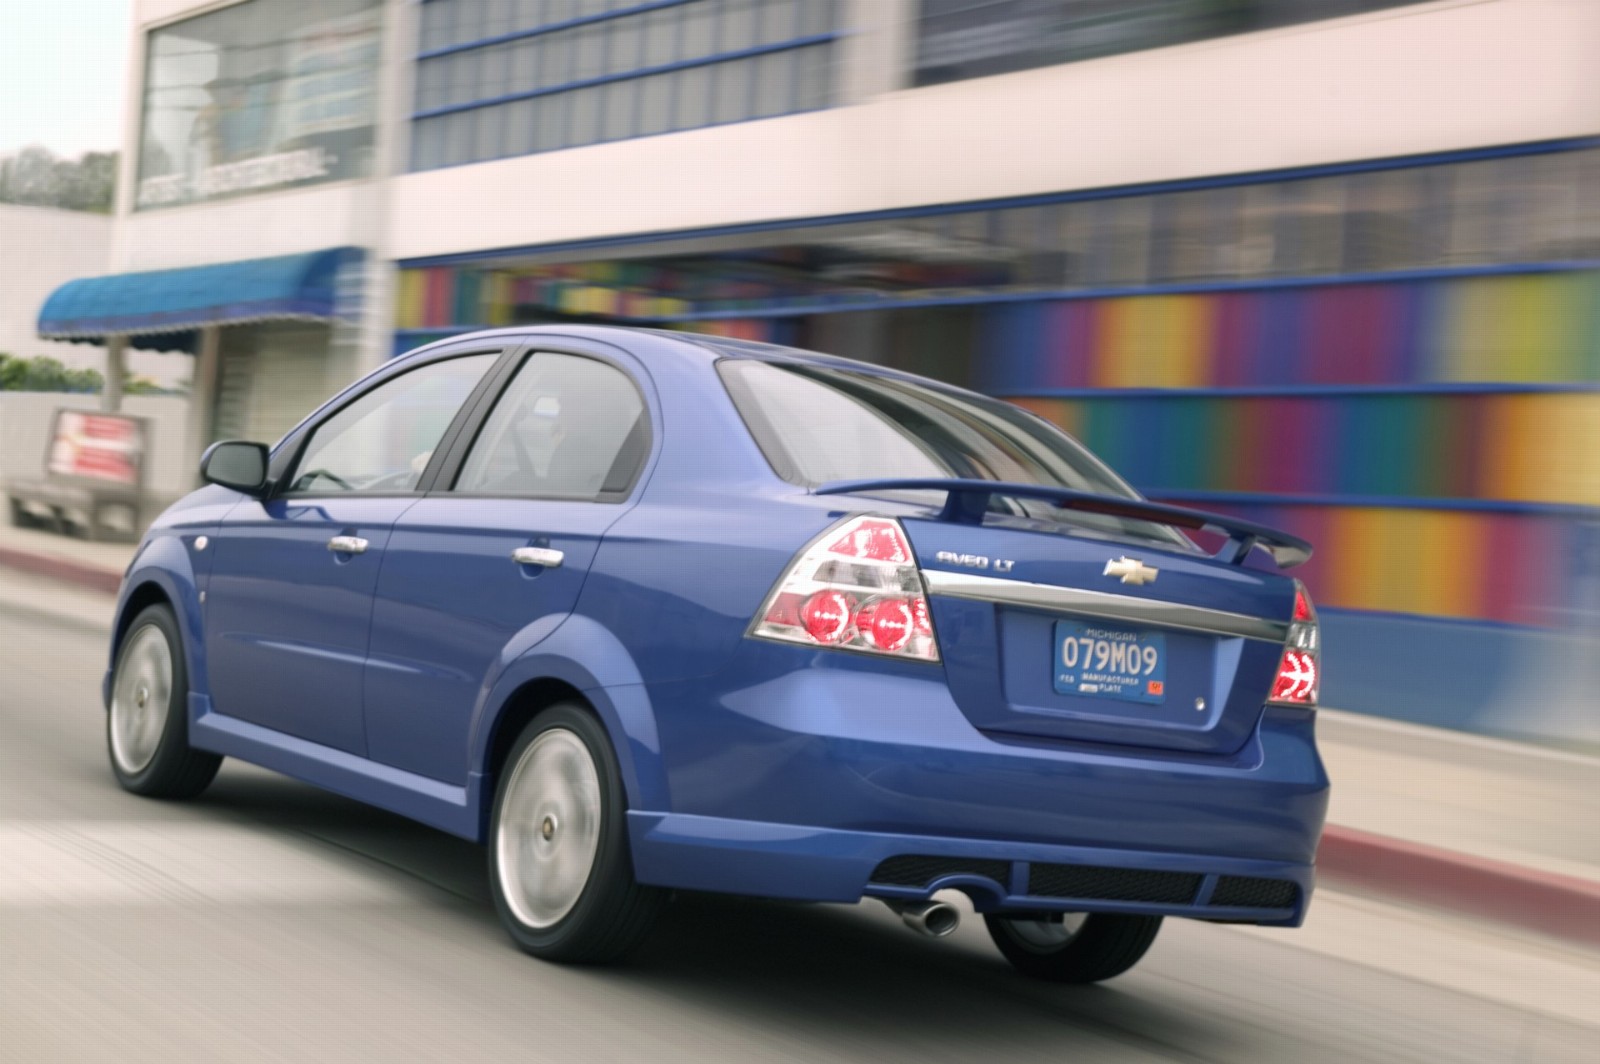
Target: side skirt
(439,805)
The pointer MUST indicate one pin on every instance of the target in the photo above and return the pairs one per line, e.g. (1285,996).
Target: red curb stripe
(63,569)
(1563,906)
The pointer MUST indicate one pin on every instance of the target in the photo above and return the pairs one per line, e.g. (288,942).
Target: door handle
(540,556)
(347,545)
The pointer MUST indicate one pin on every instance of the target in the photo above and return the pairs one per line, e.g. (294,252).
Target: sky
(63,65)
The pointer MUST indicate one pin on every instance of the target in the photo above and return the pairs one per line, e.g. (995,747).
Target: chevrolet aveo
(644,611)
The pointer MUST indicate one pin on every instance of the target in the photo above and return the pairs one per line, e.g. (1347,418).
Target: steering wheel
(322,474)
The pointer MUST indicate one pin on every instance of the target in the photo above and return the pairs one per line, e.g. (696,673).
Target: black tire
(614,912)
(1104,946)
(173,769)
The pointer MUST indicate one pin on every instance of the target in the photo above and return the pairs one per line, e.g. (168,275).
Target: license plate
(1101,661)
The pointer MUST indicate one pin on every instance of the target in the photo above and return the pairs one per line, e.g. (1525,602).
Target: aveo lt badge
(1132,571)
(974,561)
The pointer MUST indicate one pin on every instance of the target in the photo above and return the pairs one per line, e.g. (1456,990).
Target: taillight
(1300,667)
(856,588)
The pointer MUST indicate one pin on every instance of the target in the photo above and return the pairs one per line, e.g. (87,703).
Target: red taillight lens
(1302,604)
(856,588)
(827,616)
(873,538)
(1300,668)
(887,623)
(1296,684)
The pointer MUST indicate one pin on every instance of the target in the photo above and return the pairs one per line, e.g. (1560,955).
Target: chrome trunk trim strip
(1103,605)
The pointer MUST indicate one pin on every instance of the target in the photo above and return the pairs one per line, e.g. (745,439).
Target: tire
(560,869)
(1081,948)
(147,723)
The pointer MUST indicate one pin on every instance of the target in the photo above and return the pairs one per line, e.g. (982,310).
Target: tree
(36,177)
(45,374)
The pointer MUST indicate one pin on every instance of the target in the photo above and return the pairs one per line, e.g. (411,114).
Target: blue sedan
(645,611)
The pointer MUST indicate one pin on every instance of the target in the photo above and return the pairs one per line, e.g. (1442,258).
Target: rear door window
(567,427)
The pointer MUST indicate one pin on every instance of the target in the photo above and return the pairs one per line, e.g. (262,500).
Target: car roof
(691,345)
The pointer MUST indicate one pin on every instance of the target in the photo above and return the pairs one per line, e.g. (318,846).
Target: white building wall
(1450,75)
(41,249)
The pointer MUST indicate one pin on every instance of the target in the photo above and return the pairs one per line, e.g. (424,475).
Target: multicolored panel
(1522,328)
(1525,569)
(1526,448)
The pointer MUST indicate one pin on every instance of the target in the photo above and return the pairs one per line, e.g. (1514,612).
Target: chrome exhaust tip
(935,919)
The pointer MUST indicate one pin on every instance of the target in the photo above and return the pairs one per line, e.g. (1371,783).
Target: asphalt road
(270,921)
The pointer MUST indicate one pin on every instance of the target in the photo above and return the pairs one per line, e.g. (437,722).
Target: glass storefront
(262,95)
(957,39)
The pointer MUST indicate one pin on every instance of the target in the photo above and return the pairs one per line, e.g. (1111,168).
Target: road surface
(269,921)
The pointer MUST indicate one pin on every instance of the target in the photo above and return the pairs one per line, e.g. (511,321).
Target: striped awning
(163,309)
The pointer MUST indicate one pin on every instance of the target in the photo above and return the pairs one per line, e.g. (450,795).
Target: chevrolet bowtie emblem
(1131,570)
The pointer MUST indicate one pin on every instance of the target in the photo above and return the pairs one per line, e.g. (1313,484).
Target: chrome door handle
(347,545)
(541,556)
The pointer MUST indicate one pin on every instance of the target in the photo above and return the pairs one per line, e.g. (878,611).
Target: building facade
(42,248)
(1334,264)
(249,216)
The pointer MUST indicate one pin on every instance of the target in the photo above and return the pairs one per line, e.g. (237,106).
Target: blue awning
(162,309)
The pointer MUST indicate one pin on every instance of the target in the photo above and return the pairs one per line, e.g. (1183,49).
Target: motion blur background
(1329,264)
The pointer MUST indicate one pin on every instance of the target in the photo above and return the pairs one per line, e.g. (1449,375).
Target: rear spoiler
(968,500)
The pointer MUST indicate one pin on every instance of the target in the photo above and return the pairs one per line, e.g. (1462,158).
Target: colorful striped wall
(1438,440)
(1536,327)
(1503,567)
(441,297)
(1530,448)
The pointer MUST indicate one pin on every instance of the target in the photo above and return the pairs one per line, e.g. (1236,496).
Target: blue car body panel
(287,619)
(749,766)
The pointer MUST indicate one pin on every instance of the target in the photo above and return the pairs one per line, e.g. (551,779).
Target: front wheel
(147,726)
(559,865)
(1073,947)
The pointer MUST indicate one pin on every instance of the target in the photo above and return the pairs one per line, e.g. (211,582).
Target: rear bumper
(798,775)
(819,864)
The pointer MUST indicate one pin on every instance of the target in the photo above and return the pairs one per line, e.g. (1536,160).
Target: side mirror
(236,464)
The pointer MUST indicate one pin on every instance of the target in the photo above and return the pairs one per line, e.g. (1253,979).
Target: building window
(258,96)
(513,77)
(957,39)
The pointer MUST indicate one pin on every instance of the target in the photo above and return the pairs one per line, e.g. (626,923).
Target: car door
(289,600)
(492,563)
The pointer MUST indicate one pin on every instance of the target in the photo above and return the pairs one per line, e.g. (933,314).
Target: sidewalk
(1492,828)
(98,566)
(1442,819)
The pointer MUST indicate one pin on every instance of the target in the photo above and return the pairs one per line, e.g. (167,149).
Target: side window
(383,440)
(566,428)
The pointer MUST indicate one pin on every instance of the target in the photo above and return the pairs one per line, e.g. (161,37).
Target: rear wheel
(559,865)
(1073,947)
(147,726)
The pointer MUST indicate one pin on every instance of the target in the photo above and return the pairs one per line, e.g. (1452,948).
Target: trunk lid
(1040,641)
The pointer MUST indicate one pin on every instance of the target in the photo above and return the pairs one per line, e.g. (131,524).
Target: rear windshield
(818,424)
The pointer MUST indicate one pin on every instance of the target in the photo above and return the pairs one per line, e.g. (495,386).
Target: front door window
(384,440)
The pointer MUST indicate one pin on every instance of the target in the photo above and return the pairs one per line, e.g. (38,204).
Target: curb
(90,577)
(1561,906)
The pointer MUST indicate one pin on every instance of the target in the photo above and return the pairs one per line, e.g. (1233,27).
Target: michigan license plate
(1101,661)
